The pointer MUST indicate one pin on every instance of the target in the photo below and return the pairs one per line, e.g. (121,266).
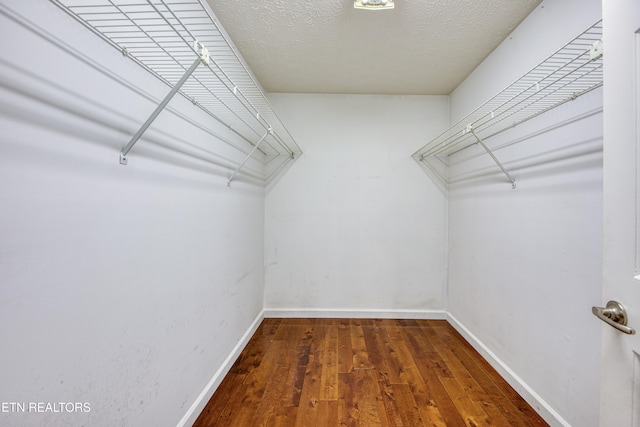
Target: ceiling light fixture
(373,4)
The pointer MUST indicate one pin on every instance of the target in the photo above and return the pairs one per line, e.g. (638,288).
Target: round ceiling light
(373,4)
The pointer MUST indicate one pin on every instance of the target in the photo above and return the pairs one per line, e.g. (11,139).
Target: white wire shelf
(165,37)
(570,72)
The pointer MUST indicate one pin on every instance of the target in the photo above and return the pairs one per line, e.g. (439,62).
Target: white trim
(319,313)
(201,401)
(531,397)
(637,154)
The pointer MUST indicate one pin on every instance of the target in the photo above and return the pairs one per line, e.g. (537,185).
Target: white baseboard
(531,397)
(316,313)
(201,401)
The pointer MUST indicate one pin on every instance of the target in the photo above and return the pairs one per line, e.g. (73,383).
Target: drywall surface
(525,264)
(355,224)
(123,288)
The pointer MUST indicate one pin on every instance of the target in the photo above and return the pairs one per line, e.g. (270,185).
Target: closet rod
(203,57)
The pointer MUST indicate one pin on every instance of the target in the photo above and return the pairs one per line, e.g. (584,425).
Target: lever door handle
(615,315)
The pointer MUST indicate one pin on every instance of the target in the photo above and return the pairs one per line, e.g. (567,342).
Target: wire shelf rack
(164,37)
(573,70)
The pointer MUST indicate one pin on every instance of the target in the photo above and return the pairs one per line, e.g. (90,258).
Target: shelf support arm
(255,147)
(203,57)
(495,159)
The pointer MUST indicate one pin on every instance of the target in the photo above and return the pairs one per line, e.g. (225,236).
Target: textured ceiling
(327,46)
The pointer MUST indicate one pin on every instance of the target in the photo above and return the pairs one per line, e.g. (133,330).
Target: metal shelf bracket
(164,37)
(255,147)
(570,72)
(203,58)
(469,129)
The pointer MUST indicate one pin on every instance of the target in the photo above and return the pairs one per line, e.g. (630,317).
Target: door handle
(615,315)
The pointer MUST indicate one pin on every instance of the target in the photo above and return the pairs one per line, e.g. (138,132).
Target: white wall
(122,286)
(355,225)
(127,287)
(525,264)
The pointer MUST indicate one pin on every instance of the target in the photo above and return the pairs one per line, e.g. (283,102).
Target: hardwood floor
(363,372)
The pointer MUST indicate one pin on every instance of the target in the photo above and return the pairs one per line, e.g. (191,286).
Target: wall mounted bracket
(164,37)
(570,72)
(495,159)
(203,57)
(255,147)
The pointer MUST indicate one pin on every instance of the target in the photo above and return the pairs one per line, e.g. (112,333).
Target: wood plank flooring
(363,372)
